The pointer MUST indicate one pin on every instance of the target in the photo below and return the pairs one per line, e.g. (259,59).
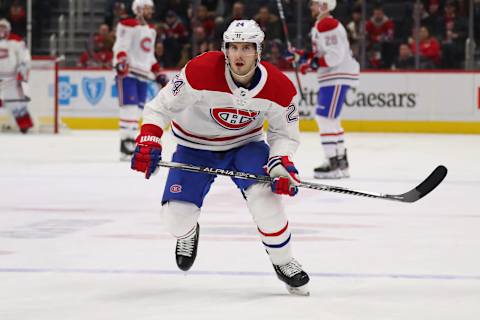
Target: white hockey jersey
(138,43)
(330,44)
(13,53)
(208,111)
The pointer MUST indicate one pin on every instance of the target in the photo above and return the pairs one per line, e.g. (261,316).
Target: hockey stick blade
(424,188)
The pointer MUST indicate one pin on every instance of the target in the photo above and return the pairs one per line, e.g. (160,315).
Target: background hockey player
(135,62)
(337,71)
(216,106)
(14,68)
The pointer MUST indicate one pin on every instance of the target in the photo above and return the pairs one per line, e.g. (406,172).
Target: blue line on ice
(241,273)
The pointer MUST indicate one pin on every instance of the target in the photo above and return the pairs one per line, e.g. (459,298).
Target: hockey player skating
(337,72)
(216,106)
(14,68)
(134,61)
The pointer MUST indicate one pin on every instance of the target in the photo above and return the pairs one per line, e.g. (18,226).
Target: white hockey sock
(129,116)
(179,217)
(328,135)
(340,144)
(269,215)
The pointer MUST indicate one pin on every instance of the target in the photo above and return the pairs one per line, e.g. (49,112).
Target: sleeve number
(292,114)
(331,40)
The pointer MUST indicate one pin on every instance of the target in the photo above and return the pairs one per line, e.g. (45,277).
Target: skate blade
(328,175)
(299,291)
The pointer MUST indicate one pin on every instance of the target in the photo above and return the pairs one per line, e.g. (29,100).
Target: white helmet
(139,4)
(6,24)
(244,31)
(331,4)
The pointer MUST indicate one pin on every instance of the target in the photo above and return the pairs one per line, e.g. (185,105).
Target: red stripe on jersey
(207,72)
(129,22)
(274,234)
(278,87)
(15,37)
(188,134)
(327,24)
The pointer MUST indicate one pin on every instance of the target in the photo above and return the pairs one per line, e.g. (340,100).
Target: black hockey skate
(186,250)
(127,147)
(343,165)
(294,277)
(328,170)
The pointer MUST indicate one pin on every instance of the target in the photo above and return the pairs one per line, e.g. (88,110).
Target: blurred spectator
(238,13)
(409,22)
(17,15)
(434,17)
(203,19)
(160,54)
(354,31)
(454,33)
(100,56)
(274,56)
(180,7)
(429,49)
(174,27)
(380,33)
(107,35)
(117,10)
(175,36)
(270,24)
(202,42)
(405,59)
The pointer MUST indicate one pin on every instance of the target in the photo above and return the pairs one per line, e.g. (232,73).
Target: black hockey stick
(420,191)
(289,45)
(26,99)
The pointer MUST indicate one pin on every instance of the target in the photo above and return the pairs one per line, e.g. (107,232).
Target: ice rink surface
(81,237)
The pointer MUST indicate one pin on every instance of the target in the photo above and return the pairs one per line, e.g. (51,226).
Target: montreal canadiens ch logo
(175,188)
(233,119)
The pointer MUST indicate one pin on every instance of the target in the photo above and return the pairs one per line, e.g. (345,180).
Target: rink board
(384,102)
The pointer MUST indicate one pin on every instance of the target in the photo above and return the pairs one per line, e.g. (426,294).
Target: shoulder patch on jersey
(278,87)
(207,72)
(129,22)
(327,24)
(15,37)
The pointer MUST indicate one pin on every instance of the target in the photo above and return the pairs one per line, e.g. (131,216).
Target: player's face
(314,8)
(3,32)
(242,57)
(147,12)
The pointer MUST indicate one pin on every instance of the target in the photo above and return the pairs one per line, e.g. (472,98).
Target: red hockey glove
(148,151)
(160,77)
(294,55)
(122,64)
(284,174)
(310,65)
(313,64)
